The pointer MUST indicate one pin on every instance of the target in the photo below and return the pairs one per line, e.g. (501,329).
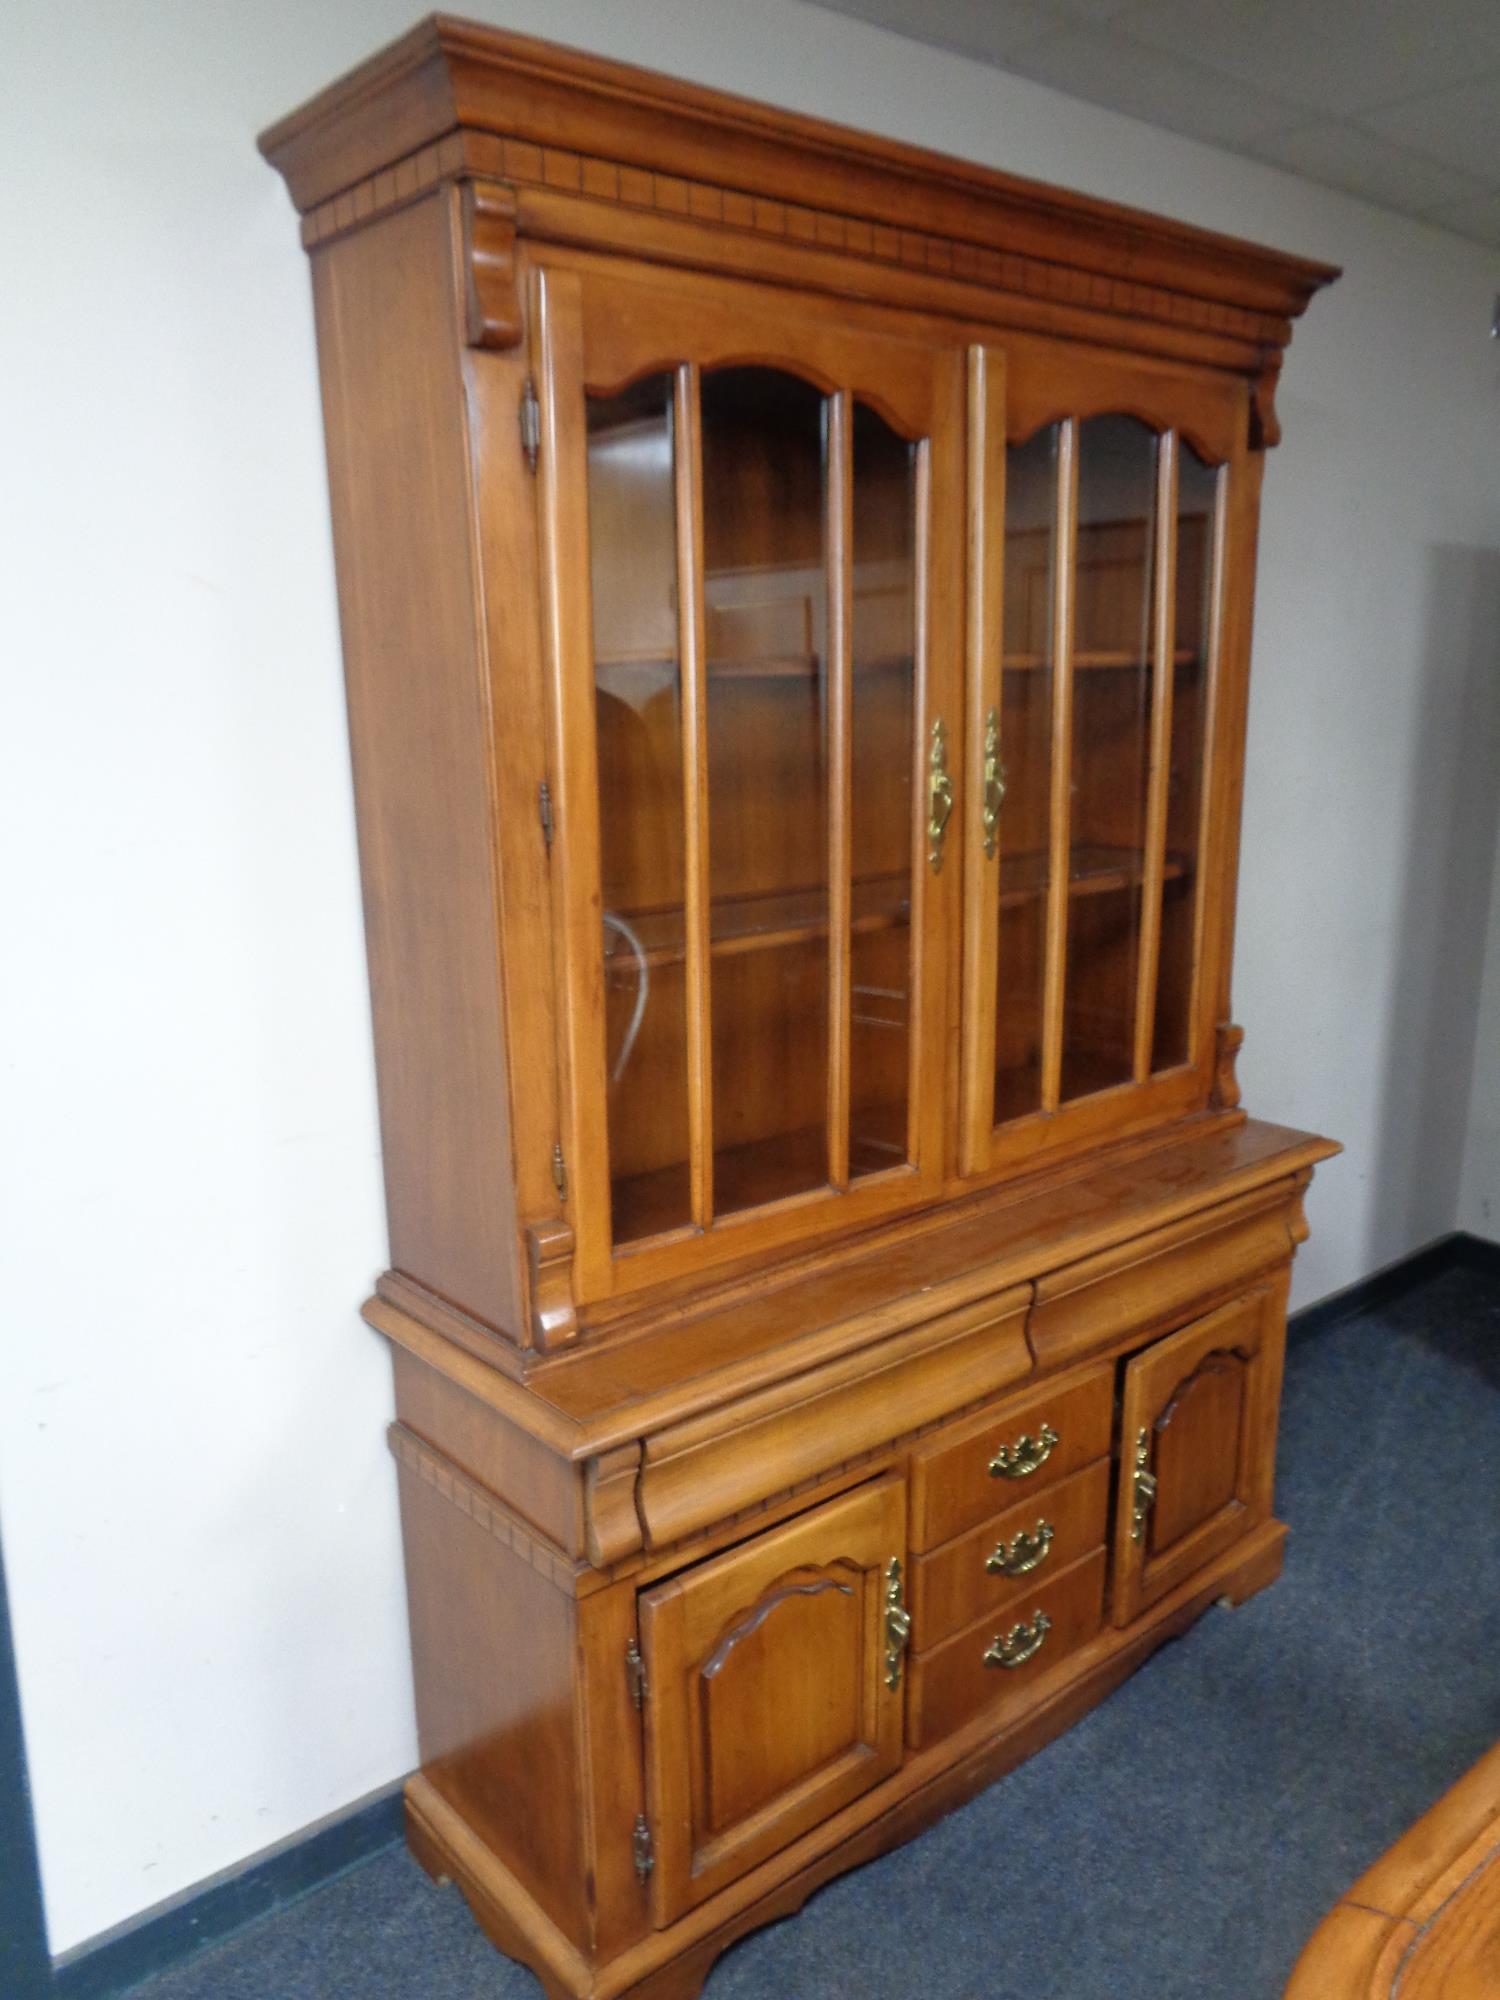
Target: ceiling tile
(989,29)
(1459,127)
(1098,64)
(1333,56)
(1375,169)
(1479,219)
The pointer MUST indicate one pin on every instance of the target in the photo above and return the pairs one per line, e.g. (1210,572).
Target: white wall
(1479,1194)
(198,1511)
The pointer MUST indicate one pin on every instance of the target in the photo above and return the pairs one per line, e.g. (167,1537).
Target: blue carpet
(1183,1840)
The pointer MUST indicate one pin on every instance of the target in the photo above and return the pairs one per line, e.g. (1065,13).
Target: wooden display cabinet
(796,606)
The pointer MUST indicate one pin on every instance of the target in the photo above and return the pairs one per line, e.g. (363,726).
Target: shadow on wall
(1444,909)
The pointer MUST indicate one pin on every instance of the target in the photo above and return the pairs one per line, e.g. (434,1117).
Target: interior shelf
(760,923)
(1092,871)
(758,667)
(765,1170)
(1087,657)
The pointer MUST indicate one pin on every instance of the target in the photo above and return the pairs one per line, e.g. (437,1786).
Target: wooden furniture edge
(671,1964)
(1401,1896)
(631,1418)
(460,74)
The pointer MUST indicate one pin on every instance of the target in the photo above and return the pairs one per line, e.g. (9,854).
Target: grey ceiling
(1397,101)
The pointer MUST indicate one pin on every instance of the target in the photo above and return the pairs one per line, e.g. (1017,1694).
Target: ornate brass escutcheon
(1020,1644)
(1144,1487)
(994,783)
(897,1624)
(1026,1552)
(939,794)
(1027,1455)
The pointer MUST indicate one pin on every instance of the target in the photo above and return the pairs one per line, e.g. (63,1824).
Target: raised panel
(1197,1442)
(771,1703)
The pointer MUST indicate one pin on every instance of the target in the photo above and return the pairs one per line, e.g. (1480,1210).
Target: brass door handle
(1143,1486)
(1027,1455)
(1026,1552)
(897,1624)
(1020,1644)
(939,795)
(994,783)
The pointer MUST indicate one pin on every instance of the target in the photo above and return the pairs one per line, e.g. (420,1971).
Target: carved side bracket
(1230,1039)
(612,1527)
(549,1254)
(492,299)
(1265,425)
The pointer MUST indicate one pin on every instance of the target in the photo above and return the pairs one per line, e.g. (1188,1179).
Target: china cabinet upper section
(796,608)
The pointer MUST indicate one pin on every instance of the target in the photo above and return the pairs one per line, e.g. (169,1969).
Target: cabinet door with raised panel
(775,1689)
(1197,1446)
(1098,505)
(751,513)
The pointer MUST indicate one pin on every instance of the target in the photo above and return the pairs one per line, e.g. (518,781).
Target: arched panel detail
(1042,389)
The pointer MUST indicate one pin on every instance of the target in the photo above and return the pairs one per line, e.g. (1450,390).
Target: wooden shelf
(759,923)
(760,667)
(748,1176)
(1092,871)
(1029,663)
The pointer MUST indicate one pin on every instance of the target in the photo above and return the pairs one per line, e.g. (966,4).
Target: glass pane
(766,617)
(1113,568)
(638,696)
(1197,492)
(1025,747)
(881,724)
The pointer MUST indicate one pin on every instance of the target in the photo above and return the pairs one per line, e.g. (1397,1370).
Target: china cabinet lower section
(688,1644)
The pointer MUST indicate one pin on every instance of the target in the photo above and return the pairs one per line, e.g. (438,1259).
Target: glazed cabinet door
(1098,502)
(1197,1446)
(775,1690)
(751,511)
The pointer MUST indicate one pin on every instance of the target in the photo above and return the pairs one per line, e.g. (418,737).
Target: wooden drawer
(1042,1440)
(1051,1531)
(955,1680)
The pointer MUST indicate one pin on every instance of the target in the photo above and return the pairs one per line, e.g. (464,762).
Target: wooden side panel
(420,733)
(493,1657)
(771,1701)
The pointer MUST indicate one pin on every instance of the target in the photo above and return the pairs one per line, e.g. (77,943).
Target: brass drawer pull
(897,1624)
(1026,1552)
(1027,1455)
(1020,1644)
(939,795)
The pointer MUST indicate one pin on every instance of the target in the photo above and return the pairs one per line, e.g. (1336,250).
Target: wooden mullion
(1164,640)
(838,672)
(986,551)
(1209,781)
(687,467)
(1065,538)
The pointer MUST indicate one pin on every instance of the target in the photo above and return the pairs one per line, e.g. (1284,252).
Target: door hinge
(642,1847)
(559,1171)
(544,813)
(635,1673)
(531,423)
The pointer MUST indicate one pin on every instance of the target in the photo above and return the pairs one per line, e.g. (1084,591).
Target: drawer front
(996,1663)
(1007,1454)
(1163,1276)
(1009,1556)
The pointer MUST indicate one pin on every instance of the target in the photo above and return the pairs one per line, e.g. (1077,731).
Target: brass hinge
(531,423)
(559,1171)
(642,1848)
(635,1673)
(544,812)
